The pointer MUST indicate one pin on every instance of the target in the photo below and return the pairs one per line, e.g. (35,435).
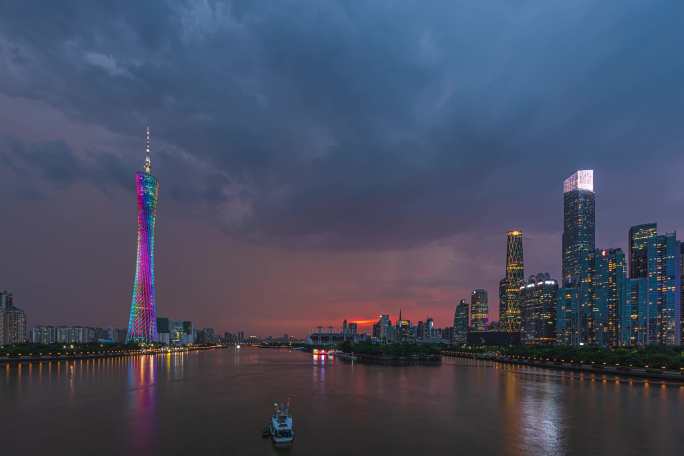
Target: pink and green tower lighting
(142,323)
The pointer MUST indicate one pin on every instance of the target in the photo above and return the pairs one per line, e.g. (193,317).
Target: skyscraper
(479,309)
(538,303)
(634,313)
(608,286)
(639,237)
(578,225)
(664,282)
(567,317)
(460,334)
(681,291)
(509,286)
(383,328)
(142,323)
(12,321)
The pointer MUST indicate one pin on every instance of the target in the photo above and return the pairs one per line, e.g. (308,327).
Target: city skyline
(296,201)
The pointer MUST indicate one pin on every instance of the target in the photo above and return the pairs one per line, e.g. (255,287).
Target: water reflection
(205,403)
(541,419)
(142,377)
(319,361)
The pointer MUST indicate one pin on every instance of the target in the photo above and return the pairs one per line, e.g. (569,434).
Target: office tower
(639,236)
(503,287)
(479,309)
(383,328)
(634,313)
(578,225)
(664,282)
(608,286)
(142,323)
(403,329)
(460,335)
(429,327)
(568,317)
(420,330)
(509,286)
(538,302)
(578,242)
(163,330)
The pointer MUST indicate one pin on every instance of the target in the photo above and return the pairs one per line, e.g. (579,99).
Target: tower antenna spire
(148,159)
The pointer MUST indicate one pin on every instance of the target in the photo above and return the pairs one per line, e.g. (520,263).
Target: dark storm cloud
(361,124)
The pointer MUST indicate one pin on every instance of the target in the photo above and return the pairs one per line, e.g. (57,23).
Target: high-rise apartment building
(12,321)
(43,335)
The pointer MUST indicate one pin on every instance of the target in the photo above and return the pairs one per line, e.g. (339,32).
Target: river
(217,402)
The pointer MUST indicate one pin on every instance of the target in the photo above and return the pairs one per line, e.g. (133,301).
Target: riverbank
(401,354)
(69,354)
(383,360)
(666,375)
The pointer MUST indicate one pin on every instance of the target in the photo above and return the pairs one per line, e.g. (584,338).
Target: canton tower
(142,323)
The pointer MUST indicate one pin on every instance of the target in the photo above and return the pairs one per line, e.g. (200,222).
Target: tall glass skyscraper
(509,286)
(479,309)
(634,312)
(578,249)
(639,236)
(142,323)
(538,305)
(664,282)
(608,287)
(461,322)
(579,230)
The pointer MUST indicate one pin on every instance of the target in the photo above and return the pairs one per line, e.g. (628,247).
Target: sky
(324,160)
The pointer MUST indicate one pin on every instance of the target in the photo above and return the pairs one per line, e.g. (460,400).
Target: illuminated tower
(509,287)
(579,232)
(578,226)
(142,323)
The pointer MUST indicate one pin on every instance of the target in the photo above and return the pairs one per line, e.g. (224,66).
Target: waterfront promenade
(650,373)
(69,353)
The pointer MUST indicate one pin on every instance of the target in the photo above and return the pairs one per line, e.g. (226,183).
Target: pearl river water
(218,401)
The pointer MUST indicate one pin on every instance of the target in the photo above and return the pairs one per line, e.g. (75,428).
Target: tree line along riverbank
(391,354)
(655,362)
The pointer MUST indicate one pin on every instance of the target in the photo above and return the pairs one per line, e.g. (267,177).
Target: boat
(282,425)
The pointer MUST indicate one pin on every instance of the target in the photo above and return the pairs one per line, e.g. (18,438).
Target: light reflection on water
(155,404)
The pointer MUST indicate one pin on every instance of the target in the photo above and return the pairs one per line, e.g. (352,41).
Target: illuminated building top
(582,179)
